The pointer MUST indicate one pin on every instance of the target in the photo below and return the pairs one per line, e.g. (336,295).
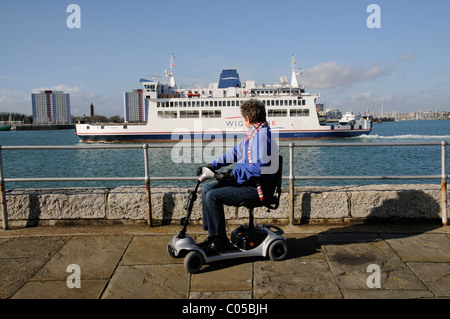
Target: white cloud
(331,74)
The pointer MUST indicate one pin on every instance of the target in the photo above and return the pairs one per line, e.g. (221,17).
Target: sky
(401,66)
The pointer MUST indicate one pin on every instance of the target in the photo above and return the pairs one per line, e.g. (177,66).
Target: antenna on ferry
(294,82)
(170,73)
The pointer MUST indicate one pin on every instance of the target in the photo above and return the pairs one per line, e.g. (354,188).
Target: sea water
(308,161)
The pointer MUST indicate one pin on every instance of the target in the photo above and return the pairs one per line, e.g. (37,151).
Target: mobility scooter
(250,240)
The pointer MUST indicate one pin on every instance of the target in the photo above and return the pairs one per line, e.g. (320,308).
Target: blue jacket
(264,152)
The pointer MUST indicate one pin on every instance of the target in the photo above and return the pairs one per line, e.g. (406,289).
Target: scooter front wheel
(193,262)
(278,250)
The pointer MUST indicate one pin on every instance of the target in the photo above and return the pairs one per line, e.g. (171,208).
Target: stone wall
(320,204)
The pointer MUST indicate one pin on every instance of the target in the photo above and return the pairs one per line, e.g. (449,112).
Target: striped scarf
(249,137)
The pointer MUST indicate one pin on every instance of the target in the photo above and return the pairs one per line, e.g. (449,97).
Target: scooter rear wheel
(278,250)
(193,262)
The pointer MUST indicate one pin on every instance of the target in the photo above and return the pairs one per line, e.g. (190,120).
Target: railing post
(291,184)
(3,194)
(444,185)
(147,187)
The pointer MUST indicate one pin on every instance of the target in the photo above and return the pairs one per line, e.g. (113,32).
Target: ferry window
(184,104)
(211,113)
(237,103)
(278,102)
(189,114)
(171,104)
(290,102)
(299,112)
(232,103)
(203,103)
(206,103)
(281,102)
(303,102)
(295,102)
(220,103)
(277,113)
(167,114)
(228,103)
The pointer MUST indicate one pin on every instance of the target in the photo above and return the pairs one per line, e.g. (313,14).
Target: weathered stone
(400,202)
(65,203)
(21,257)
(435,275)
(89,289)
(349,264)
(421,247)
(149,282)
(223,276)
(97,257)
(127,202)
(322,204)
(294,279)
(310,203)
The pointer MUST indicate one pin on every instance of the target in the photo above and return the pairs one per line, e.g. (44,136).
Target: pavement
(367,261)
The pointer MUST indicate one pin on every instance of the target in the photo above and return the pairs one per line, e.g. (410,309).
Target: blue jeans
(217,194)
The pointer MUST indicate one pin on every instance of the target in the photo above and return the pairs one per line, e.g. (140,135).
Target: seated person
(256,158)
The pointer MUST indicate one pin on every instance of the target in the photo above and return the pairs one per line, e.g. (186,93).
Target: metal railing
(291,178)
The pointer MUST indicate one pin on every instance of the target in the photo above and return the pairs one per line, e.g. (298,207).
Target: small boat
(5,127)
(348,119)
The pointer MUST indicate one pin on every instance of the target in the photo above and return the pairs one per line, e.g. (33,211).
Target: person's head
(253,112)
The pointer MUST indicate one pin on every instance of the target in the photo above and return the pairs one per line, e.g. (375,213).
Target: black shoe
(221,244)
(207,242)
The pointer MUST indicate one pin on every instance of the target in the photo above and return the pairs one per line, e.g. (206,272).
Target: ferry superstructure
(195,113)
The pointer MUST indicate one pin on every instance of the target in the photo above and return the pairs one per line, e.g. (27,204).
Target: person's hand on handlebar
(209,166)
(224,176)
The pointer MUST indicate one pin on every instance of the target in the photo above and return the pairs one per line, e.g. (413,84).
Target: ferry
(211,113)
(348,118)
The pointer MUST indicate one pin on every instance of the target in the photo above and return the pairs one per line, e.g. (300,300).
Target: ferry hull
(172,137)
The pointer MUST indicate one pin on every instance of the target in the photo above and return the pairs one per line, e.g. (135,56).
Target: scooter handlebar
(206,174)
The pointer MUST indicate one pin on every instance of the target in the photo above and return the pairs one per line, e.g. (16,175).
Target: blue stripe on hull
(165,137)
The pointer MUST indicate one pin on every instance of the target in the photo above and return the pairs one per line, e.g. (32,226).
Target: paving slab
(89,289)
(232,275)
(246,294)
(22,257)
(420,247)
(97,256)
(436,276)
(149,250)
(386,294)
(35,246)
(148,282)
(293,279)
(349,264)
(303,246)
(132,262)
(16,272)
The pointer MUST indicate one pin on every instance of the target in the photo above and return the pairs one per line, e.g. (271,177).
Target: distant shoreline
(32,127)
